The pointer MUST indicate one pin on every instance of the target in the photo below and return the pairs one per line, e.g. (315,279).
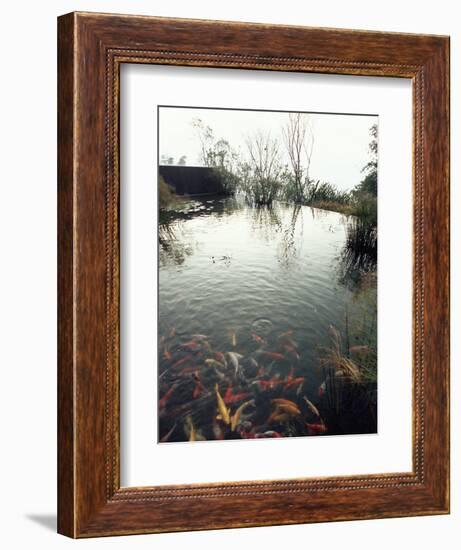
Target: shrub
(166,194)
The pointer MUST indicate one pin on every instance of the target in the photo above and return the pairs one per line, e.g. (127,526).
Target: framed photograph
(253,275)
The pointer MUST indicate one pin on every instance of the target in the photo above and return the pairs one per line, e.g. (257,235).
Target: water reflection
(359,255)
(250,300)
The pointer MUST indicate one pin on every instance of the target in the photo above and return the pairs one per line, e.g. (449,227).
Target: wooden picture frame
(91,49)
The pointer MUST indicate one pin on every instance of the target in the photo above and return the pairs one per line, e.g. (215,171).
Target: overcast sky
(340,141)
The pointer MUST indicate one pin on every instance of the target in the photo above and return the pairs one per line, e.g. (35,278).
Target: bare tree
(263,166)
(206,137)
(299,142)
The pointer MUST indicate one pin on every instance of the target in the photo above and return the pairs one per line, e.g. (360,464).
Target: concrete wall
(192,180)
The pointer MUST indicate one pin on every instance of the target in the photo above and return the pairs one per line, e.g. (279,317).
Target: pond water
(253,281)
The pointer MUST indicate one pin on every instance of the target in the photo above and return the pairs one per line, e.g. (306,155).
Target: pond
(270,288)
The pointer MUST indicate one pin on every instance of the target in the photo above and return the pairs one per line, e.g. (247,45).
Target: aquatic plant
(340,363)
(263,392)
(349,394)
(360,252)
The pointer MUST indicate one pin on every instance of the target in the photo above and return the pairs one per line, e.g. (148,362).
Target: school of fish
(208,394)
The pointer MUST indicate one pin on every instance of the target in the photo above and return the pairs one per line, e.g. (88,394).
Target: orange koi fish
(316,429)
(269,384)
(294,382)
(230,397)
(181,361)
(285,334)
(286,406)
(164,400)
(192,345)
(258,338)
(198,386)
(279,418)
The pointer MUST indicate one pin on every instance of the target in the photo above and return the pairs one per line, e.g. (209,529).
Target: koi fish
(228,394)
(294,382)
(190,429)
(312,407)
(223,410)
(284,410)
(234,359)
(192,345)
(213,362)
(322,389)
(230,397)
(258,338)
(218,373)
(164,400)
(279,418)
(172,333)
(188,370)
(285,334)
(268,384)
(233,338)
(286,406)
(199,337)
(236,417)
(198,386)
(315,429)
(220,357)
(167,354)
(181,361)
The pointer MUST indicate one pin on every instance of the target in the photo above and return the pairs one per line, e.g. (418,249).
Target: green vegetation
(218,154)
(166,194)
(262,177)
